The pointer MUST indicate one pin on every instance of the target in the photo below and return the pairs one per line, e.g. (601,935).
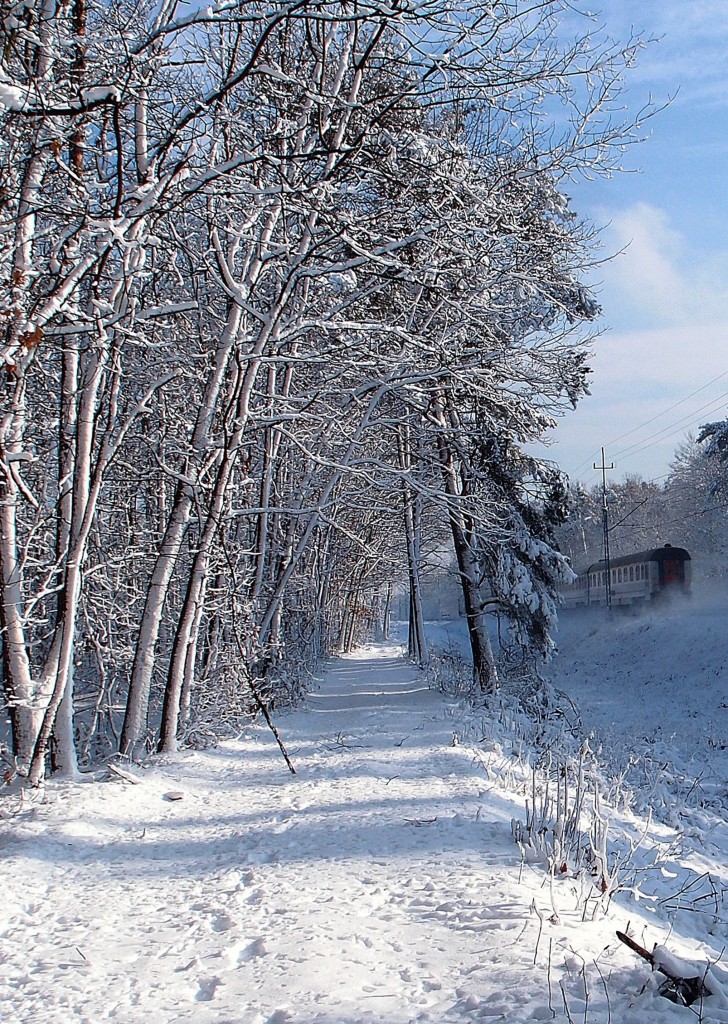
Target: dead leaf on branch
(32,339)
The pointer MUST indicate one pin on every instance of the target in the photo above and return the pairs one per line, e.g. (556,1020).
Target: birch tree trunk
(140,683)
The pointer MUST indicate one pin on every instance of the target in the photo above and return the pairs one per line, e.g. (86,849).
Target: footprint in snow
(207,989)
(255,949)
(261,857)
(233,881)
(223,923)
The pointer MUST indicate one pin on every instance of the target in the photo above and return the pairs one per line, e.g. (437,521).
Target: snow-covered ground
(654,684)
(650,689)
(381,882)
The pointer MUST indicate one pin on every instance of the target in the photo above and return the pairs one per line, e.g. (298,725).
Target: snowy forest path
(365,888)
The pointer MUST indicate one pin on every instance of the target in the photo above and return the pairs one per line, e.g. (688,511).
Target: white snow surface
(380,883)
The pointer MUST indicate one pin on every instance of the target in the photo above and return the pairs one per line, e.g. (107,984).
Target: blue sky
(661,365)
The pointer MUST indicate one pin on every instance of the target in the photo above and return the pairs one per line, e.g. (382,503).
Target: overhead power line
(672,428)
(664,412)
(663,434)
(681,519)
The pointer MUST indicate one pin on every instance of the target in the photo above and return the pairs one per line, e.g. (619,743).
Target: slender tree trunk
(416,639)
(25,701)
(71,455)
(65,760)
(322,632)
(387,613)
(184,640)
(135,718)
(485,673)
(346,641)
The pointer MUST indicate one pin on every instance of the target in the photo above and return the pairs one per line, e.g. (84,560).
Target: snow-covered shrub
(449,672)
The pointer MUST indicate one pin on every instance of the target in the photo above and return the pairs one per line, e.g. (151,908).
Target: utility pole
(605,524)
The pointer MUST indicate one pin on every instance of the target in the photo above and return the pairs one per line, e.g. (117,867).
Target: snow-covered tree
(695,506)
(714,437)
(245,249)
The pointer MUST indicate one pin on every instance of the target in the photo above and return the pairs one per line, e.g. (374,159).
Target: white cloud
(645,269)
(666,361)
(658,272)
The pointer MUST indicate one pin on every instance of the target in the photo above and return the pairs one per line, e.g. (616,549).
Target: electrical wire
(631,511)
(681,519)
(664,412)
(675,427)
(672,428)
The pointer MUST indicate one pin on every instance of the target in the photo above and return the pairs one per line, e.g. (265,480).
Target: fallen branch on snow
(122,774)
(678,989)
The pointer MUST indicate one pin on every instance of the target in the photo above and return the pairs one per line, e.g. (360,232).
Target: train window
(619,575)
(631,574)
(614,575)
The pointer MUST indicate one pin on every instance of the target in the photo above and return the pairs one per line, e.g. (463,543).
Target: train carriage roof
(666,553)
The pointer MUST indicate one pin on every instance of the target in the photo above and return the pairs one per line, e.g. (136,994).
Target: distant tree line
(689,508)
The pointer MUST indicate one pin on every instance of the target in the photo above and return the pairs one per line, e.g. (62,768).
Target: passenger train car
(635,579)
